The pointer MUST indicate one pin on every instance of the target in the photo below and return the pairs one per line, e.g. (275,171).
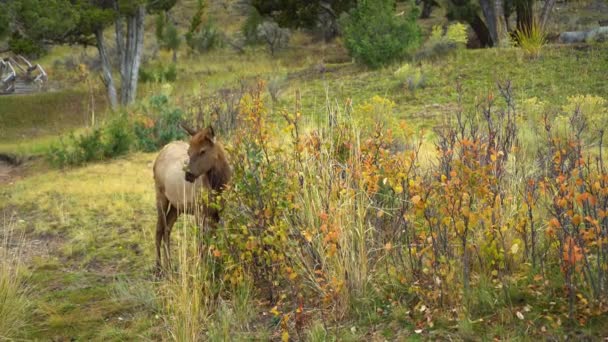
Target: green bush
(156,130)
(110,141)
(158,74)
(410,77)
(375,36)
(250,27)
(442,43)
(25,46)
(206,39)
(118,137)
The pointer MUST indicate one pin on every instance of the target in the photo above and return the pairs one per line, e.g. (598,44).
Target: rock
(597,35)
(572,37)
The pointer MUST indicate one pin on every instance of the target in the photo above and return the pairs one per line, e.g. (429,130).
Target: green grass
(93,234)
(29,123)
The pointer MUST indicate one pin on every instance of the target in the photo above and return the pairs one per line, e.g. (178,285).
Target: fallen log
(599,34)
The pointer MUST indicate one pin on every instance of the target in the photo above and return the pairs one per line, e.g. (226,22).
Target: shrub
(158,74)
(275,37)
(457,33)
(109,141)
(375,36)
(155,130)
(532,39)
(205,39)
(275,86)
(440,44)
(249,30)
(410,77)
(118,137)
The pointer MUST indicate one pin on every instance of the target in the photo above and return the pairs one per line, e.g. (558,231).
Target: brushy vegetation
(155,126)
(441,43)
(95,144)
(346,217)
(375,36)
(158,74)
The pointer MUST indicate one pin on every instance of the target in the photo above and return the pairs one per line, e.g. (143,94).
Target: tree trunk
(546,12)
(132,55)
(120,43)
(525,14)
(427,8)
(106,69)
(502,30)
(482,32)
(487,8)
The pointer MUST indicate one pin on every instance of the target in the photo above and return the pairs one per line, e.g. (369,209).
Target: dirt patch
(25,248)
(11,168)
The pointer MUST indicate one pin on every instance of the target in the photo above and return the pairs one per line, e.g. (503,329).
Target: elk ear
(211,134)
(187,128)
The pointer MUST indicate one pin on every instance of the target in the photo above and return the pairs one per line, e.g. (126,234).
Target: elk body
(181,172)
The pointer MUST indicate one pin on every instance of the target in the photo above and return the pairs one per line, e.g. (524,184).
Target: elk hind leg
(170,219)
(161,224)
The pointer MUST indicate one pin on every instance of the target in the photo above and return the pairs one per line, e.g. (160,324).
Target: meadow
(471,206)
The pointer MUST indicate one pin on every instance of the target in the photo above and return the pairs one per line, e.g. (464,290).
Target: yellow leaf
(514,248)
(285,336)
(274,311)
(416,199)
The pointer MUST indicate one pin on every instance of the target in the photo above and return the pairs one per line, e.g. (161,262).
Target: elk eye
(203,152)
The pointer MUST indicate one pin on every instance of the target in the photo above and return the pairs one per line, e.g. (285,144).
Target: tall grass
(532,39)
(14,304)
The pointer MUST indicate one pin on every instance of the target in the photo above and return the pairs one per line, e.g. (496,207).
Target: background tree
(316,15)
(167,34)
(4,20)
(427,7)
(489,18)
(374,35)
(37,24)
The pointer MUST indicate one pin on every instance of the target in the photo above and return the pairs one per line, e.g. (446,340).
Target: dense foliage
(347,216)
(300,13)
(375,36)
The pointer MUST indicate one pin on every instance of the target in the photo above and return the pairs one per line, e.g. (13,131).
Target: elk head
(203,152)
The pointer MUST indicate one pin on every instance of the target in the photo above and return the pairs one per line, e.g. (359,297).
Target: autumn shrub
(327,222)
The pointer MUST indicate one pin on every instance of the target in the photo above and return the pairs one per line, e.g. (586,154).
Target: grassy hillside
(339,198)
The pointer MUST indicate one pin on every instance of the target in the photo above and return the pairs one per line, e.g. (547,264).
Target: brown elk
(181,172)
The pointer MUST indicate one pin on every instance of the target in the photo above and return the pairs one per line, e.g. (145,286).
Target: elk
(182,171)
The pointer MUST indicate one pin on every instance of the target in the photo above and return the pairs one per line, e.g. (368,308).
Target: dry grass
(14,303)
